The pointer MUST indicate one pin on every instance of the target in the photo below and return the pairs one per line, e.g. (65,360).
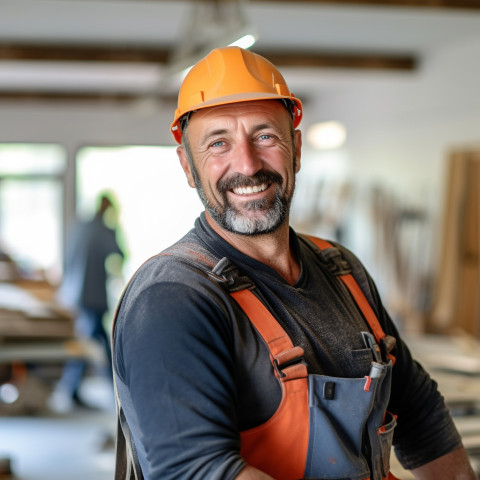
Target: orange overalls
(322,424)
(320,427)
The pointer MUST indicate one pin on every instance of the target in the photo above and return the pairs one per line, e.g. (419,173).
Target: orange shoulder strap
(269,329)
(357,294)
(278,447)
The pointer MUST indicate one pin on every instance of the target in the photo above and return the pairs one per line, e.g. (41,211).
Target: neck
(272,249)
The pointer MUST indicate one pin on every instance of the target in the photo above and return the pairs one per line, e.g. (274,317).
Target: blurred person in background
(92,254)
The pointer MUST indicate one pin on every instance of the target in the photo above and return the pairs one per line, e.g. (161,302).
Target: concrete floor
(68,446)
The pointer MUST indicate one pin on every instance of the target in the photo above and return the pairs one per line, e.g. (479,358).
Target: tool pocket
(381,423)
(384,442)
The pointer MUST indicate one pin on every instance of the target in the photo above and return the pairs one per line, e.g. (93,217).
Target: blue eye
(266,138)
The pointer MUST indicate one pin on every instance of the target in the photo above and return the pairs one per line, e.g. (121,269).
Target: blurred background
(390,168)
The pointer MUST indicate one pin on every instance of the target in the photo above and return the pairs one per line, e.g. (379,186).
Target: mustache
(239,180)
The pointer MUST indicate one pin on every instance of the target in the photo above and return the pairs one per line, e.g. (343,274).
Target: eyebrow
(213,133)
(223,131)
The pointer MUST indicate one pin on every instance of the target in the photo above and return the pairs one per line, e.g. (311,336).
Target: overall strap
(343,271)
(284,355)
(285,459)
(127,466)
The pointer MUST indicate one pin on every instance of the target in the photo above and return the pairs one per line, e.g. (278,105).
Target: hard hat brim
(236,98)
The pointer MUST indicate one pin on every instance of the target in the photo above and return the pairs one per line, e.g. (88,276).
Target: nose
(246,159)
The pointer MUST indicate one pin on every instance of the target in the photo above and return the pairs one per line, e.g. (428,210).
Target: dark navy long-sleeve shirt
(192,372)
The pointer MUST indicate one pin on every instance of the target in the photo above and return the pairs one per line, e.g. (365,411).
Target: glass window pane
(31,159)
(156,204)
(30,223)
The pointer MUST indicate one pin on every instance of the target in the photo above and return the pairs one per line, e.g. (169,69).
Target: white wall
(401,128)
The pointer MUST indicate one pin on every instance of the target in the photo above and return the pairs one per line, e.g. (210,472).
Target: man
(84,291)
(213,388)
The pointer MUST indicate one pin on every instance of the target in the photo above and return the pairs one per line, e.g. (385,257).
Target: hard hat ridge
(230,75)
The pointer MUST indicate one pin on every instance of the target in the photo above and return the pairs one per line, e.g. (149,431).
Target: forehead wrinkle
(262,126)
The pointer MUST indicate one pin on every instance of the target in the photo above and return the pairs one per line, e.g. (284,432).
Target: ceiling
(64,50)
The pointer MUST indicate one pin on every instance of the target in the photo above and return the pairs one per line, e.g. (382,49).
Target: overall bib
(325,427)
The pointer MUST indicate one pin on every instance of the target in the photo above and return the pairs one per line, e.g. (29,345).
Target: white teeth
(250,190)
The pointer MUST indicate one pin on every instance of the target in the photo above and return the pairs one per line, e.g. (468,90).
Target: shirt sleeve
(173,354)
(425,429)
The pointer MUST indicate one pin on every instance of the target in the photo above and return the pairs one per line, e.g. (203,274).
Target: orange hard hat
(231,75)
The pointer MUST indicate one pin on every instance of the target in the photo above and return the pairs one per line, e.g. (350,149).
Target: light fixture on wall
(326,135)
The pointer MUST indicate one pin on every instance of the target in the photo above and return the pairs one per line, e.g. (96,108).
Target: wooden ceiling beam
(82,53)
(106,98)
(342,60)
(160,56)
(451,4)
(66,96)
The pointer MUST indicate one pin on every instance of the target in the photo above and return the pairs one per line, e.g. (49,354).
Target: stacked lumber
(457,300)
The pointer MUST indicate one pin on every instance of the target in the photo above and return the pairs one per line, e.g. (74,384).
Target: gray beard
(228,217)
(234,221)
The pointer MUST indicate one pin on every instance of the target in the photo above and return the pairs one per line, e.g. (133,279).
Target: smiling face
(242,158)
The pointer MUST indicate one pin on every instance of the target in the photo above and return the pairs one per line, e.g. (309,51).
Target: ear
(182,156)
(298,149)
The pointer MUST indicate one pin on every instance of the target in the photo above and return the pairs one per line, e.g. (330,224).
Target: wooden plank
(468,309)
(446,288)
(457,294)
